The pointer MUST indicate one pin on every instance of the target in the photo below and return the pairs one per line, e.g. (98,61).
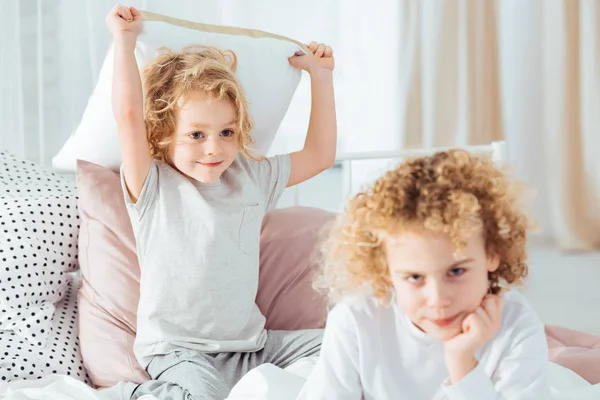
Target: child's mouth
(215,164)
(444,322)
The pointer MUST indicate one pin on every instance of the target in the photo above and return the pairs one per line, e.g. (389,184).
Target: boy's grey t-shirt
(198,248)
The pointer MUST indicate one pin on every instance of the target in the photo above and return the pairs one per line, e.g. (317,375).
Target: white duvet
(266,382)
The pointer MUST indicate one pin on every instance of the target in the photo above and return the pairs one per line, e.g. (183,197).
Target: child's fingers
(468,322)
(320,50)
(493,309)
(124,12)
(493,303)
(328,51)
(499,305)
(135,12)
(115,9)
(490,307)
(482,320)
(312,46)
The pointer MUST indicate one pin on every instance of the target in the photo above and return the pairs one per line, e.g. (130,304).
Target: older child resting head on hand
(419,268)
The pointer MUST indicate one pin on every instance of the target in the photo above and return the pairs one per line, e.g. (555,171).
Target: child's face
(205,142)
(433,288)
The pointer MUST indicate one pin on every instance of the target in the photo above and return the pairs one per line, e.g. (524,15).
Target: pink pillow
(288,256)
(110,288)
(110,291)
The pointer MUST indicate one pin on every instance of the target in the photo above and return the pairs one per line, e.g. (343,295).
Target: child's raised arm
(320,146)
(125,23)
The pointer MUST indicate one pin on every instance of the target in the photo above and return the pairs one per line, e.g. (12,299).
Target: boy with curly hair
(419,269)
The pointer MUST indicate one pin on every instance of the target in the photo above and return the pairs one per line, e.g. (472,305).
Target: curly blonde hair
(173,74)
(450,192)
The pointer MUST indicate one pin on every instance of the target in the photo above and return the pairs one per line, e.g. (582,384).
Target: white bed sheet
(266,382)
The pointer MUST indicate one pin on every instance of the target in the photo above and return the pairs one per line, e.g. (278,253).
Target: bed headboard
(496,150)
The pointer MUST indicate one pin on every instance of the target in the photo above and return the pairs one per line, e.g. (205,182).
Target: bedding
(20,359)
(39,226)
(578,351)
(269,83)
(266,382)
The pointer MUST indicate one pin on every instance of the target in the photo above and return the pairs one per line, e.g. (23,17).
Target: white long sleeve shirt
(374,352)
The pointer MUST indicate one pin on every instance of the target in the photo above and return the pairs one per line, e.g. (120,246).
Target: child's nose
(438,295)
(212,147)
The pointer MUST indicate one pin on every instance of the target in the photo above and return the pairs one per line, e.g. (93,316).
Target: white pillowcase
(263,70)
(39,226)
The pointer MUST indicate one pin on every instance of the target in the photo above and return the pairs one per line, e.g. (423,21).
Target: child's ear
(493,262)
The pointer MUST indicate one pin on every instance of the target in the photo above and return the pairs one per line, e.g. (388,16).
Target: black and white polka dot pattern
(22,178)
(39,226)
(19,359)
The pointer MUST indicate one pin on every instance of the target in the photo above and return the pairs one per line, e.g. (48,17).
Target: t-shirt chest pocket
(250,225)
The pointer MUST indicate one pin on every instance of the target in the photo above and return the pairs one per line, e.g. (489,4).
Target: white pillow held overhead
(268,80)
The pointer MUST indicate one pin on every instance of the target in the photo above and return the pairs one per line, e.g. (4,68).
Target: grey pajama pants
(191,375)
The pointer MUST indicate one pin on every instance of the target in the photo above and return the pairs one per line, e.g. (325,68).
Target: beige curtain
(571,115)
(426,75)
(449,87)
(458,87)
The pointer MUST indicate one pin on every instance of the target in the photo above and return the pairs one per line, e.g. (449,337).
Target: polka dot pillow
(39,226)
(19,359)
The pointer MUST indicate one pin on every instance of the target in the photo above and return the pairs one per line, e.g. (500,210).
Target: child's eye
(414,278)
(227,133)
(457,271)
(196,135)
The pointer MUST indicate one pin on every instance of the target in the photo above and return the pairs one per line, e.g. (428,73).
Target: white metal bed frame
(496,150)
